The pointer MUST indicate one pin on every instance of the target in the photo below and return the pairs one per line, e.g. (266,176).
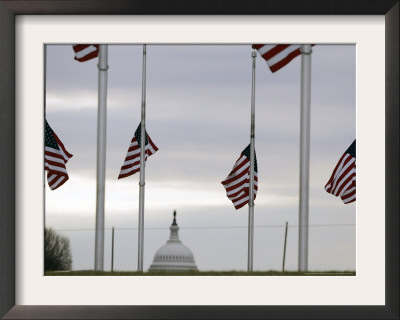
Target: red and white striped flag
(85,52)
(55,158)
(237,183)
(343,179)
(132,161)
(279,55)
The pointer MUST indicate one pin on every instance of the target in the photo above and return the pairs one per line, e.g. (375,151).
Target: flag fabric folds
(131,164)
(55,158)
(237,183)
(85,52)
(278,56)
(343,179)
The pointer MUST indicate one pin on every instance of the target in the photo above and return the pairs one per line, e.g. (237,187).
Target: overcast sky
(198,115)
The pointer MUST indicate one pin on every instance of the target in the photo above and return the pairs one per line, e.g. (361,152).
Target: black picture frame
(8,11)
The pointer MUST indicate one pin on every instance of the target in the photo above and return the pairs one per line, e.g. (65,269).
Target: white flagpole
(142,166)
(304,155)
(251,187)
(101,156)
(284,248)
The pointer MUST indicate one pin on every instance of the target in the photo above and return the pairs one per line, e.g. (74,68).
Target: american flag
(343,179)
(85,52)
(132,161)
(279,55)
(55,158)
(237,183)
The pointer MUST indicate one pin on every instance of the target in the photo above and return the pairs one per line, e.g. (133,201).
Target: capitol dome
(174,255)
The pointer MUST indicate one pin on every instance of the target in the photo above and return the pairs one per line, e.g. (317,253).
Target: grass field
(200,273)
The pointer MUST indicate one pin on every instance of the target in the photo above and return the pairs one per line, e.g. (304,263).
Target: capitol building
(173,255)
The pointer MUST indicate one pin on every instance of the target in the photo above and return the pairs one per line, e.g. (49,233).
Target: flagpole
(142,166)
(284,248)
(101,156)
(304,155)
(112,249)
(251,187)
